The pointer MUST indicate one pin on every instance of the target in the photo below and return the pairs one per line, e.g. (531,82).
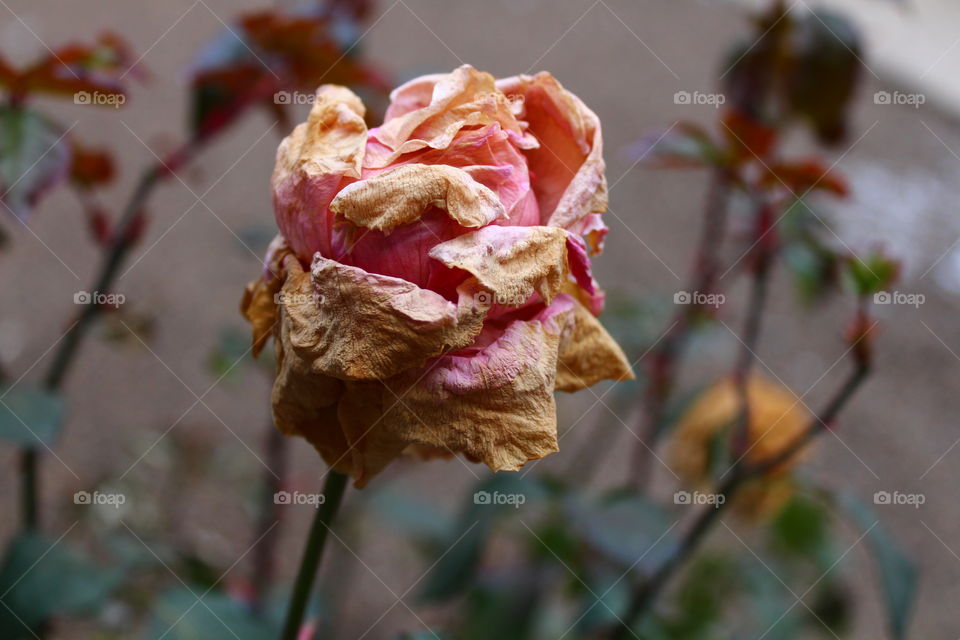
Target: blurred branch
(647,591)
(665,357)
(763,260)
(123,240)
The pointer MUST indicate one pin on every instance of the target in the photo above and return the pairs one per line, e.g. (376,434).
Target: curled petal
(312,161)
(401,196)
(512,262)
(569,163)
(588,354)
(355,325)
(259,304)
(495,404)
(593,230)
(464,98)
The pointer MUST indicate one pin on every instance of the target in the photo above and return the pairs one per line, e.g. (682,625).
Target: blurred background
(165,409)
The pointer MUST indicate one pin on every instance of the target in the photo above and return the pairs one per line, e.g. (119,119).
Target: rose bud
(430,288)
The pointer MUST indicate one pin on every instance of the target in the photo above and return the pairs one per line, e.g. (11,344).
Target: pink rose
(431,285)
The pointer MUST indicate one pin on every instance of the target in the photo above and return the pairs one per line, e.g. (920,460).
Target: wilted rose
(431,285)
(777,418)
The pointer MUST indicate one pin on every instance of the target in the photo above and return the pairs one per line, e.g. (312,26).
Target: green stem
(333,491)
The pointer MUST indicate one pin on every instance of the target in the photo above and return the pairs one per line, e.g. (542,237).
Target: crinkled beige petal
(259,304)
(331,141)
(512,262)
(588,354)
(305,401)
(400,196)
(466,97)
(312,161)
(355,325)
(495,406)
(569,165)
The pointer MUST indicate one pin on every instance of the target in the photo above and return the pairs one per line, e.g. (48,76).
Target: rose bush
(430,288)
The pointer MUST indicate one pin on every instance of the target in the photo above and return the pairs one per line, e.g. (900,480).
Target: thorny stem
(647,591)
(65,355)
(333,490)
(663,359)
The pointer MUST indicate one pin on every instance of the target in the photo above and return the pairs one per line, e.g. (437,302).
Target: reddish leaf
(271,51)
(99,226)
(90,167)
(76,68)
(746,137)
(802,176)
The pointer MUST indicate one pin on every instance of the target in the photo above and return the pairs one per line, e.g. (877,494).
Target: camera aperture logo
(899,297)
(715,100)
(96,498)
(699,497)
(100,299)
(700,299)
(898,498)
(99,98)
(299,498)
(496,498)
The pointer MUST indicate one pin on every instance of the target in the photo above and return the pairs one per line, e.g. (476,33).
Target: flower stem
(65,355)
(333,490)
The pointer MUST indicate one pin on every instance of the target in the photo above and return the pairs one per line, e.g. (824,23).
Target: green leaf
(801,527)
(34,156)
(456,569)
(624,527)
(30,416)
(179,615)
(685,145)
(41,578)
(872,273)
(419,519)
(898,573)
